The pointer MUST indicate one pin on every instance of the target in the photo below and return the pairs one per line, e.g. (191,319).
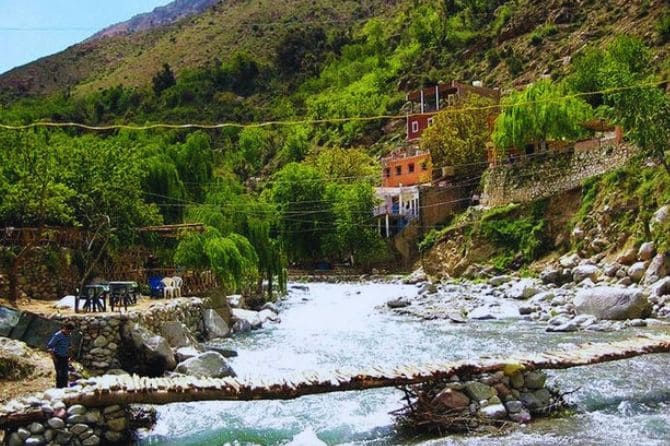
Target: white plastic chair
(168,287)
(178,282)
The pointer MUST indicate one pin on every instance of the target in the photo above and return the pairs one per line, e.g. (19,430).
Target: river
(347,325)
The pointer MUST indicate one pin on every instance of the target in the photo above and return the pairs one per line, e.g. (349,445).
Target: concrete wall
(542,176)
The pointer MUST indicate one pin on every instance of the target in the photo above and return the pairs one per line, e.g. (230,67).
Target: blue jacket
(59,344)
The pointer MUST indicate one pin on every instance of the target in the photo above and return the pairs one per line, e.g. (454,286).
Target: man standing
(59,347)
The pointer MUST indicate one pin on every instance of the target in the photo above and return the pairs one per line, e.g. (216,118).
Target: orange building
(406,168)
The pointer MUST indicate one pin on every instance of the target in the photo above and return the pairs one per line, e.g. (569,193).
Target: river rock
(177,335)
(235,300)
(399,302)
(451,400)
(184,353)
(35,440)
(215,325)
(627,257)
(56,423)
(241,326)
(582,272)
(153,355)
(93,440)
(523,289)
(661,287)
(658,268)
(495,411)
(636,271)
(499,280)
(646,251)
(535,379)
(481,314)
(569,260)
(208,364)
(479,391)
(417,276)
(612,303)
(250,316)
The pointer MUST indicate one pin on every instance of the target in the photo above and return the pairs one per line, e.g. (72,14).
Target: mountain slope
(161,16)
(237,25)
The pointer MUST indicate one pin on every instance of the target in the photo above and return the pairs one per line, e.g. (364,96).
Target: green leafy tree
(345,165)
(623,73)
(303,214)
(459,135)
(540,113)
(353,233)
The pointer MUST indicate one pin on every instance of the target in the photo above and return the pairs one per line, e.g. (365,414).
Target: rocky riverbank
(570,294)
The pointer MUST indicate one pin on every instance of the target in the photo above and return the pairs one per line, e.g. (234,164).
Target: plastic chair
(155,286)
(178,282)
(168,287)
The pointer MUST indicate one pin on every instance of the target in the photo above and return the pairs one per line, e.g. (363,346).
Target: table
(122,294)
(95,298)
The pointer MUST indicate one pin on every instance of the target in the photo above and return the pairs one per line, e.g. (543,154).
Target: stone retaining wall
(101,344)
(531,179)
(74,425)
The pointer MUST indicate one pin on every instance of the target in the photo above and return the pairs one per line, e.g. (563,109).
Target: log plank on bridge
(110,390)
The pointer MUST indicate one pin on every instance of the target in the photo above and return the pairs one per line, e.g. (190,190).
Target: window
(430,122)
(415,126)
(398,170)
(387,172)
(410,167)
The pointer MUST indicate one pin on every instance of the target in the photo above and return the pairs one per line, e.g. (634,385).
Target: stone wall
(101,344)
(40,279)
(547,174)
(74,425)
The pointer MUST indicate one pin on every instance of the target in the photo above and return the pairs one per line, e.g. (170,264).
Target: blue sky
(30,29)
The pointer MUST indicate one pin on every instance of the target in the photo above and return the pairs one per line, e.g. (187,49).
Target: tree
(353,233)
(459,135)
(303,214)
(540,113)
(163,80)
(628,94)
(344,165)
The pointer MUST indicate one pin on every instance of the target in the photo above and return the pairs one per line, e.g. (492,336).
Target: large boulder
(582,272)
(613,303)
(215,325)
(636,271)
(657,269)
(208,364)
(177,334)
(523,289)
(451,400)
(661,288)
(646,251)
(148,354)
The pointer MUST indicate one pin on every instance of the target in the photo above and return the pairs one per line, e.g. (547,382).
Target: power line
(314,121)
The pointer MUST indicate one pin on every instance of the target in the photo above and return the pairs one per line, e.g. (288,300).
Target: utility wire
(221,125)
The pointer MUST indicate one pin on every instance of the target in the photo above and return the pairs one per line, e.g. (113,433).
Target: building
(398,206)
(406,167)
(427,101)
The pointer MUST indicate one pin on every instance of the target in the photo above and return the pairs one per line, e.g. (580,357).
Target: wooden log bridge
(111,390)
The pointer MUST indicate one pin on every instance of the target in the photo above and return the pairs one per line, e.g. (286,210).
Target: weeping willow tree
(540,113)
(238,245)
(232,258)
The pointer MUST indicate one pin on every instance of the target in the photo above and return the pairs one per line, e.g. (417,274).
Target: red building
(427,101)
